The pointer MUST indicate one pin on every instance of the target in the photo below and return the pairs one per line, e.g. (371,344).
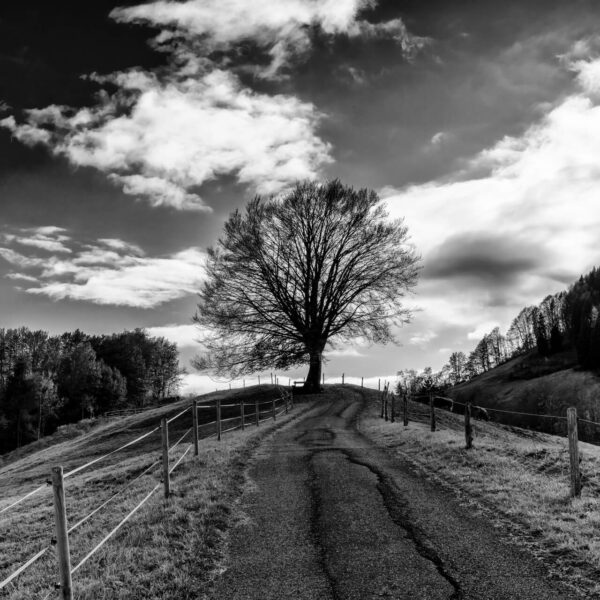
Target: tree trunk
(312,385)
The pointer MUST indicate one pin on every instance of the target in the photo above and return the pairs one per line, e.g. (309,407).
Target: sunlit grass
(517,478)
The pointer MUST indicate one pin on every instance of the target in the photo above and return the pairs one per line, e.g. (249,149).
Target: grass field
(170,548)
(517,478)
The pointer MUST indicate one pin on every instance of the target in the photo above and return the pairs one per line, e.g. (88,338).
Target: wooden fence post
(342,379)
(256,412)
(385,401)
(195,425)
(574,452)
(242,414)
(468,428)
(259,380)
(379,384)
(405,407)
(271,378)
(323,378)
(362,381)
(164,427)
(431,411)
(62,536)
(218,419)
(243,383)
(393,399)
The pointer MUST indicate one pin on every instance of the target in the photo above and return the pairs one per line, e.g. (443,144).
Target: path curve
(331,517)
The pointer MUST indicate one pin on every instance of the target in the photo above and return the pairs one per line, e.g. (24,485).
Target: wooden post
(273,409)
(379,384)
(218,419)
(385,401)
(405,407)
(362,381)
(342,379)
(62,537)
(468,428)
(164,427)
(323,377)
(243,383)
(574,452)
(271,378)
(256,412)
(259,380)
(431,411)
(195,425)
(393,399)
(242,414)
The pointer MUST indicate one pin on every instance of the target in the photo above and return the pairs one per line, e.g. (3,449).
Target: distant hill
(534,384)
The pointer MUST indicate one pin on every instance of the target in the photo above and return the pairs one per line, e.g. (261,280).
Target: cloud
(185,336)
(519,222)
(48,238)
(161,135)
(490,258)
(422,338)
(280,28)
(121,276)
(178,135)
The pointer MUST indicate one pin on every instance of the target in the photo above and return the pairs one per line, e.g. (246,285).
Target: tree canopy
(323,263)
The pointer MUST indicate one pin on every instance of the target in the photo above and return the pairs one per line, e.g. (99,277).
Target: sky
(130,131)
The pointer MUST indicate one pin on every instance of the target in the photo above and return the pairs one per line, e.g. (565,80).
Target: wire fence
(390,402)
(60,542)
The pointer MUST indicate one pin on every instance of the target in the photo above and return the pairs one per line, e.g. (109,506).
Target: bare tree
(322,264)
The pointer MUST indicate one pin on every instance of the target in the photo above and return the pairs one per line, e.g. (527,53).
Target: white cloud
(111,277)
(279,27)
(422,338)
(185,336)
(181,134)
(537,192)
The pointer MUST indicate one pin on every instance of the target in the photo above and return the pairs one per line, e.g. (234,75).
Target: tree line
(568,320)
(49,380)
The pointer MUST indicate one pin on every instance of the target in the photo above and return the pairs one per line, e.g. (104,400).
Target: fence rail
(470,409)
(277,406)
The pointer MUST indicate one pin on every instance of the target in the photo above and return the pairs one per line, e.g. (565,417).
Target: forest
(50,380)
(568,320)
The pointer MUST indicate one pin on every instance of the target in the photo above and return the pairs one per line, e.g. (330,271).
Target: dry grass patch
(517,478)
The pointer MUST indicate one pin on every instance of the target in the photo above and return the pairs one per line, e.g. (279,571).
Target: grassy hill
(533,384)
(170,548)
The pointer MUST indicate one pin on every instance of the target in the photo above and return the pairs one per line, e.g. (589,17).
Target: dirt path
(332,517)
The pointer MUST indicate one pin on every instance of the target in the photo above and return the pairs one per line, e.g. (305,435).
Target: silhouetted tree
(322,264)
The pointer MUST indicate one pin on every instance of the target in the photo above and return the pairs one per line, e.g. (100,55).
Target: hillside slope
(532,384)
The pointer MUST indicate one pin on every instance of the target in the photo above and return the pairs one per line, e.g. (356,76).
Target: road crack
(398,510)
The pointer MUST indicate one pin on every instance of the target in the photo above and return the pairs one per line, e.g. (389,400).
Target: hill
(533,384)
(182,535)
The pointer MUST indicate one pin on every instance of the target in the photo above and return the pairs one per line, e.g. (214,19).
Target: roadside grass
(169,549)
(517,478)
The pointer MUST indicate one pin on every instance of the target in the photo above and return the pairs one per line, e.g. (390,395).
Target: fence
(388,412)
(223,415)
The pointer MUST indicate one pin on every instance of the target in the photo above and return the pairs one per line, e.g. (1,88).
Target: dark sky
(129,135)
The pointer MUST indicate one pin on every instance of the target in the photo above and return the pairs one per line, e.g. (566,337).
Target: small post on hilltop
(218,419)
(195,425)
(574,452)
(164,428)
(379,384)
(431,411)
(362,381)
(62,536)
(259,380)
(468,427)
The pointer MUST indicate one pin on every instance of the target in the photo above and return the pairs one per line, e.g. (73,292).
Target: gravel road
(332,517)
